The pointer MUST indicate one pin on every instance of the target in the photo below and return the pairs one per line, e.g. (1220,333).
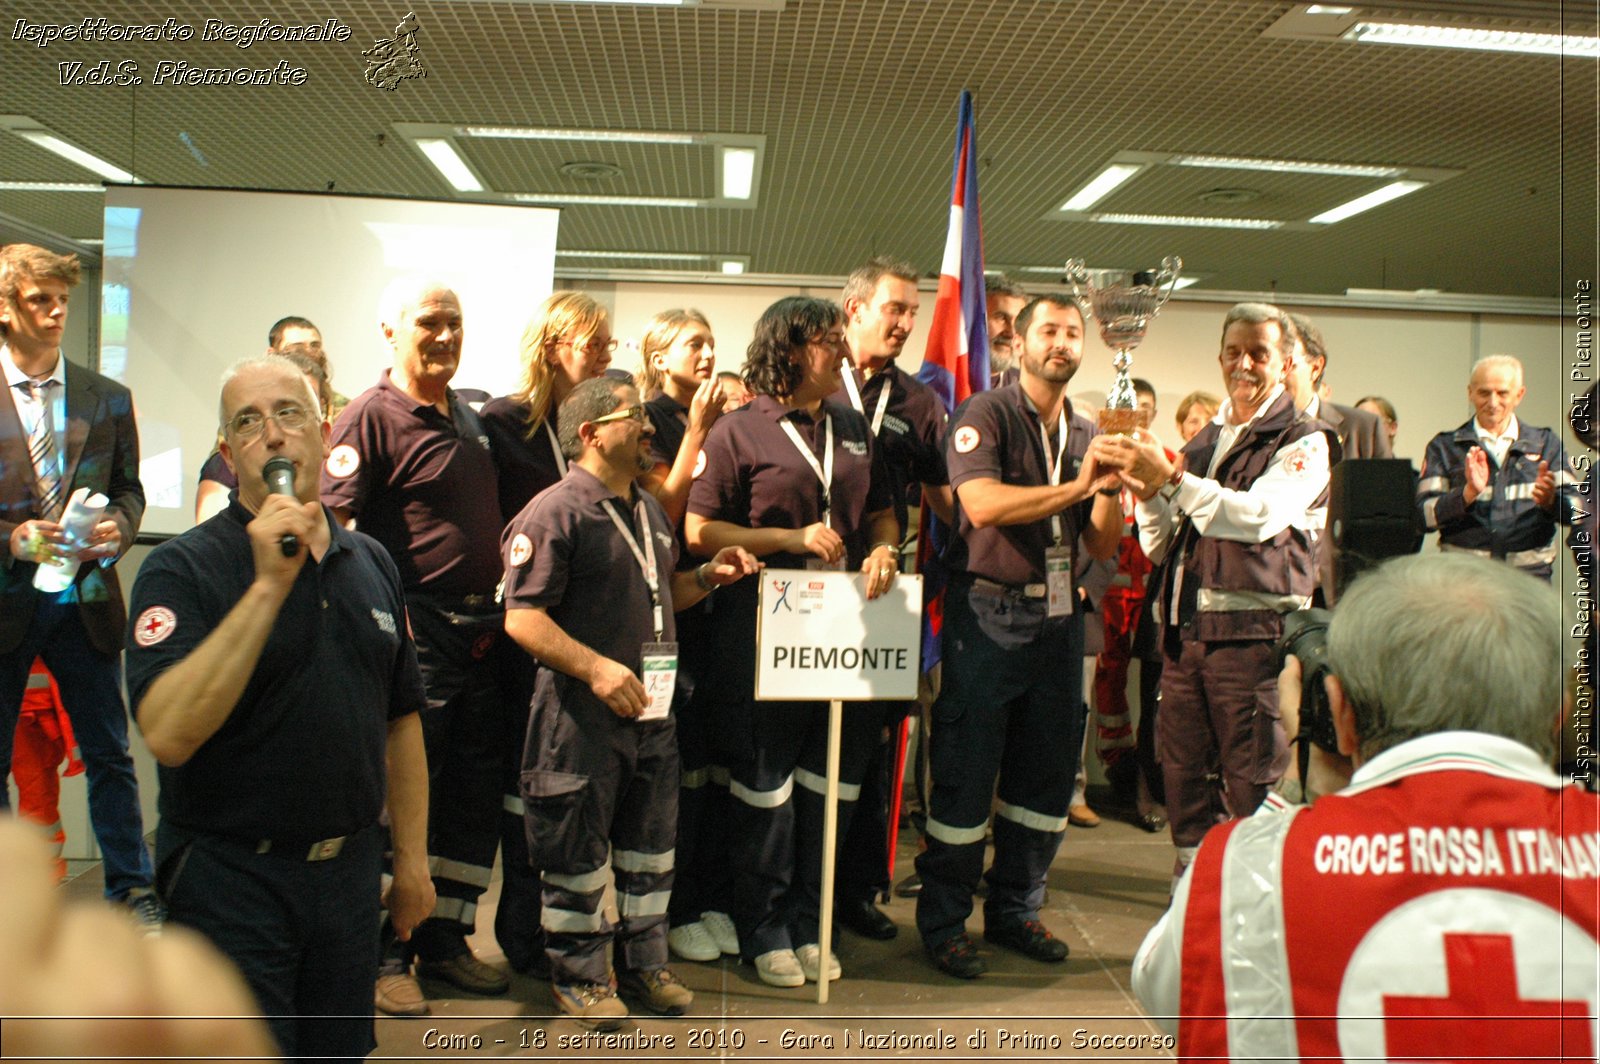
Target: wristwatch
(1169,490)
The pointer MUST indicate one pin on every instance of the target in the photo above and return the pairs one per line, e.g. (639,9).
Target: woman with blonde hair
(686,399)
(567,342)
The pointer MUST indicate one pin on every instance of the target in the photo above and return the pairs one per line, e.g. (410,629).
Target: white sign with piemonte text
(819,638)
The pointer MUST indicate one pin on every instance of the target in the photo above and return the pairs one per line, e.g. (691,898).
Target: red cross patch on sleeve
(154,625)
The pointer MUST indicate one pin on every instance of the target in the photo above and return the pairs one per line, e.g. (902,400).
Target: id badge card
(1059,591)
(814,564)
(659,670)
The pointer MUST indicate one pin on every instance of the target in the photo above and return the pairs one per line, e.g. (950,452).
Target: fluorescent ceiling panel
(30,129)
(738,172)
(1286,166)
(442,154)
(1571,47)
(1193,221)
(1101,186)
(1376,198)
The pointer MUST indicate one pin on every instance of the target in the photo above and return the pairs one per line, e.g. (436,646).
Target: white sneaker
(722,932)
(810,958)
(693,942)
(779,967)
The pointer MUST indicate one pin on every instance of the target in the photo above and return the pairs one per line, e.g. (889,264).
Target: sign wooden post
(818,637)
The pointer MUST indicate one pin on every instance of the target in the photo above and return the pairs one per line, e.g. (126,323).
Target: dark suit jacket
(1361,434)
(102,444)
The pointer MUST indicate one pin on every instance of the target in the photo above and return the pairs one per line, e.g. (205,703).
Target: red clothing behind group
(43,740)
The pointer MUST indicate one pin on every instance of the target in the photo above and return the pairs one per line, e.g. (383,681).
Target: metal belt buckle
(327,848)
(1033,591)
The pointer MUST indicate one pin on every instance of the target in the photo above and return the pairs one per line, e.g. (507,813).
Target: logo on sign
(782,588)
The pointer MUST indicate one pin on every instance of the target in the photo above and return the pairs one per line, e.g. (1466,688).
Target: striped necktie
(42,450)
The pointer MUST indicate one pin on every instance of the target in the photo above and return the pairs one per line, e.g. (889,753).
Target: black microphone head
(279,475)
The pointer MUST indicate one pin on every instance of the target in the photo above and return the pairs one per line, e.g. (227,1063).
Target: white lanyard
(1055,469)
(555,445)
(646,559)
(824,471)
(855,400)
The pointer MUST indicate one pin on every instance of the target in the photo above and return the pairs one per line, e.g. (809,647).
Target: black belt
(1032,591)
(297,849)
(455,603)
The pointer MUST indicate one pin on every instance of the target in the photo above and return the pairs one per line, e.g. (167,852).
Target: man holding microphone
(275,680)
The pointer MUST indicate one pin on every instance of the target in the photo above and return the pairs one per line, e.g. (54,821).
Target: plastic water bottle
(83,512)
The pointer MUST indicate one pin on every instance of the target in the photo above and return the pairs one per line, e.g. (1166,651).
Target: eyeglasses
(627,413)
(589,345)
(1260,358)
(249,425)
(833,340)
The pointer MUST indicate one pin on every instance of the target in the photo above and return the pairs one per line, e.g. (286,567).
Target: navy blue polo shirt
(995,434)
(563,554)
(302,754)
(422,484)
(913,424)
(670,419)
(754,475)
(524,453)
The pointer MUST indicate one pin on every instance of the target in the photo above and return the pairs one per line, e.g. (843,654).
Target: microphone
(279,475)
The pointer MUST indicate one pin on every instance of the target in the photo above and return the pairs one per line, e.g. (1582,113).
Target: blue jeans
(91,691)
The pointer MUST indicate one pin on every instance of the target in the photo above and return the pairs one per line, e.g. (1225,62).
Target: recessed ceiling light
(1187,220)
(49,186)
(738,172)
(658,256)
(732,266)
(1571,47)
(1100,187)
(1393,190)
(29,129)
(1286,166)
(1185,282)
(442,154)
(613,201)
(618,136)
(1329,9)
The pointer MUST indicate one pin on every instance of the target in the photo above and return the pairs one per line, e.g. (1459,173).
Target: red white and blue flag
(956,363)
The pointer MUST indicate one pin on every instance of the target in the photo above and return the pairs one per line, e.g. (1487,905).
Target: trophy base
(1121,421)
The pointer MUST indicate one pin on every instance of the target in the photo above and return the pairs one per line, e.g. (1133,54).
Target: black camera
(1305,635)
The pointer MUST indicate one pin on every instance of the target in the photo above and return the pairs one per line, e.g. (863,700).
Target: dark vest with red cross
(1286,564)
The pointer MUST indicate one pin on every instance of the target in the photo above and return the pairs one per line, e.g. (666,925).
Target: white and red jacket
(1456,876)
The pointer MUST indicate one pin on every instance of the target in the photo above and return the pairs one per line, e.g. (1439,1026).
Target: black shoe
(1152,821)
(866,919)
(466,972)
(958,956)
(909,887)
(1029,938)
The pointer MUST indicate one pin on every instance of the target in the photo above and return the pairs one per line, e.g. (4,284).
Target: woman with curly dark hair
(795,479)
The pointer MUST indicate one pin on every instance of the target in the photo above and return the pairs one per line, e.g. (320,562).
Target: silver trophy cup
(1123,302)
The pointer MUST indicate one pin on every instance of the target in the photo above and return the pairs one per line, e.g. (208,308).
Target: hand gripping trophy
(1123,303)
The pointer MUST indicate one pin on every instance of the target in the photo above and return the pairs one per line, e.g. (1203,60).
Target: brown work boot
(400,995)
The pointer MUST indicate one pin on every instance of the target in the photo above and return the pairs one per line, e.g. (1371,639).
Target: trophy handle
(1077,273)
(1167,277)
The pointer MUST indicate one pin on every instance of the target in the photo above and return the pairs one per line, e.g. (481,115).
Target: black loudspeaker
(1372,515)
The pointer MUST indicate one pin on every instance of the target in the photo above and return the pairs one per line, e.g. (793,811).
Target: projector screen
(194,278)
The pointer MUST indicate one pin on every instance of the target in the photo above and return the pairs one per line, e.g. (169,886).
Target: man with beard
(1026,472)
(588,593)
(1005,299)
(1231,524)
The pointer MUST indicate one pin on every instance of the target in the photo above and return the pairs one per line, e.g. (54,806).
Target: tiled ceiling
(857,102)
